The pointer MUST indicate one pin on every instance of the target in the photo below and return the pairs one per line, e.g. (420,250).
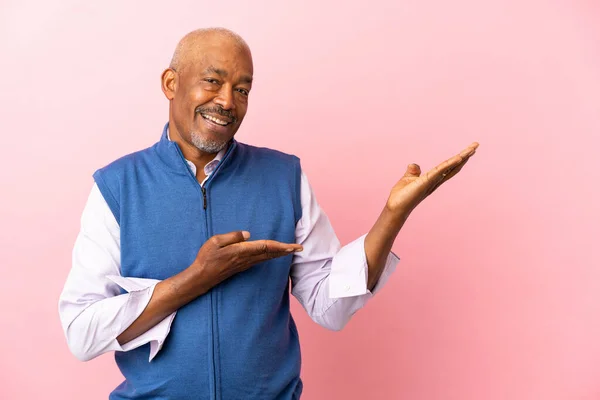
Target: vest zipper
(212,303)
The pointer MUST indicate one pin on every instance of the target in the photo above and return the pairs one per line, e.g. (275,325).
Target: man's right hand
(223,256)
(219,258)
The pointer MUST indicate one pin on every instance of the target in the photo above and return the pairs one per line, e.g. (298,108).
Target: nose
(225,97)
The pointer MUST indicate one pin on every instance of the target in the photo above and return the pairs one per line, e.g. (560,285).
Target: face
(209,94)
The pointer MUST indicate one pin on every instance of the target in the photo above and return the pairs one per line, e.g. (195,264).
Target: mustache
(217,110)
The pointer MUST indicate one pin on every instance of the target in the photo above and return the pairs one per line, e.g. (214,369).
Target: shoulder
(129,161)
(266,154)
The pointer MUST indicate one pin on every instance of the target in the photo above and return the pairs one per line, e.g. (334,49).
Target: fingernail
(246,234)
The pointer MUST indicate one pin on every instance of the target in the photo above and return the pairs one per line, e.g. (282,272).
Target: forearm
(168,296)
(379,242)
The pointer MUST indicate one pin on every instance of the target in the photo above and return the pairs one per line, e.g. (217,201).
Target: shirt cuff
(349,271)
(141,290)
(390,266)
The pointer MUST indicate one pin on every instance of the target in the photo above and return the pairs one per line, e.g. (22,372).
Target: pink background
(498,292)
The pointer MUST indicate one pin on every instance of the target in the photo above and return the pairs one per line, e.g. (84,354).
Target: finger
(259,247)
(230,238)
(443,179)
(456,169)
(256,259)
(470,150)
(449,173)
(444,169)
(412,171)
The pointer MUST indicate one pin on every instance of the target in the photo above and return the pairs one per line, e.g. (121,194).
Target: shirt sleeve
(92,310)
(328,280)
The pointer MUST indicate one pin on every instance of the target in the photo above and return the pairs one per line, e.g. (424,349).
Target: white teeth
(215,120)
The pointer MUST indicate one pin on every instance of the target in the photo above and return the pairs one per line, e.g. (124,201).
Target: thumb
(412,171)
(227,239)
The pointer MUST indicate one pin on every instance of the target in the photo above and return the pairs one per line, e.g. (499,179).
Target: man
(164,273)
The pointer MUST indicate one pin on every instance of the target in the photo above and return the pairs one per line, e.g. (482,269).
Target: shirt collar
(210,167)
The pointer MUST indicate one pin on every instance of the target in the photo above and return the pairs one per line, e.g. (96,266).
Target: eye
(212,81)
(243,91)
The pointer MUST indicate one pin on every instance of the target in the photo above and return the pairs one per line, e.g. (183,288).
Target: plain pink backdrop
(497,295)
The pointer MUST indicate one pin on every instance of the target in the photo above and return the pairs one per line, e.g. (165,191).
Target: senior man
(187,248)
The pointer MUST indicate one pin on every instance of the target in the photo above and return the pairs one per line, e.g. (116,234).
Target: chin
(208,144)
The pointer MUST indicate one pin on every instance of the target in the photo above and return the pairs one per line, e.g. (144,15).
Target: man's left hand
(413,187)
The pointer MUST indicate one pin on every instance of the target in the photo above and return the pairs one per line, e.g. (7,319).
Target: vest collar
(171,155)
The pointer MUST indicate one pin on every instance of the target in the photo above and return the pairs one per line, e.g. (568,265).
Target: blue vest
(238,341)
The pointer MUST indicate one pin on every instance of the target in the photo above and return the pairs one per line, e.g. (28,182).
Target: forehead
(223,56)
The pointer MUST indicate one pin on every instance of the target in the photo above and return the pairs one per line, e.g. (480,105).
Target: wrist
(190,283)
(395,215)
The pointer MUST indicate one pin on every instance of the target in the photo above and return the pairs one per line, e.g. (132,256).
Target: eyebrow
(222,73)
(218,71)
(246,79)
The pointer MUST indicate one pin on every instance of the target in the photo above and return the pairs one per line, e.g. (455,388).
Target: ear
(169,81)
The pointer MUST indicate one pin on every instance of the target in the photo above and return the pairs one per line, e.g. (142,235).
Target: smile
(216,120)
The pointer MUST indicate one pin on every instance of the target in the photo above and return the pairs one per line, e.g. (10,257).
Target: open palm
(413,187)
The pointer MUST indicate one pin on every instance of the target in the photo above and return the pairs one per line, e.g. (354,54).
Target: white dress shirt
(328,280)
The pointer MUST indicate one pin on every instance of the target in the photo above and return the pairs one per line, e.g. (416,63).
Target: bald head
(191,45)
